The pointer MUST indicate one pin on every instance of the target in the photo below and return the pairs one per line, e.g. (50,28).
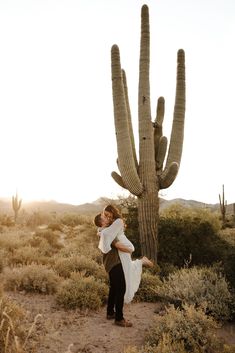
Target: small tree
(16,204)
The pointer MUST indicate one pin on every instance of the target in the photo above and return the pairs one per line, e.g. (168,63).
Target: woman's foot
(147,262)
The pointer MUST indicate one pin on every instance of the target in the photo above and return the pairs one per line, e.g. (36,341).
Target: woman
(132,269)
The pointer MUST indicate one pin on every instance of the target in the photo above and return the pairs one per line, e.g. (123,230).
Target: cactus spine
(144,178)
(223,207)
(16,204)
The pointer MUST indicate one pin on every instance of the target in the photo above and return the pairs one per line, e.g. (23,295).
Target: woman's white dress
(132,268)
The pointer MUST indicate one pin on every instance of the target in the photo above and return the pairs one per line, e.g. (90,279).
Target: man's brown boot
(123,323)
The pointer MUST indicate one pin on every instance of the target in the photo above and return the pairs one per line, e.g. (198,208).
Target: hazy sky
(57,128)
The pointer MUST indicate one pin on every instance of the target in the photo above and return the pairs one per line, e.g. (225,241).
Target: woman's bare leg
(147,262)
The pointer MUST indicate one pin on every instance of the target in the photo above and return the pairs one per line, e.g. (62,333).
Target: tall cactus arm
(159,120)
(144,85)
(160,153)
(126,161)
(177,132)
(167,178)
(129,118)
(147,169)
(118,179)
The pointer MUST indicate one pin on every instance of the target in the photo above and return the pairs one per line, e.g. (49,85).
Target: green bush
(27,255)
(66,266)
(203,287)
(149,288)
(190,327)
(32,278)
(229,266)
(82,292)
(180,239)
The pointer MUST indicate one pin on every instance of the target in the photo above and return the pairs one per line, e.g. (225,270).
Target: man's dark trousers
(117,289)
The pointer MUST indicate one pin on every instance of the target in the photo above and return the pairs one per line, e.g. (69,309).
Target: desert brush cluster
(193,279)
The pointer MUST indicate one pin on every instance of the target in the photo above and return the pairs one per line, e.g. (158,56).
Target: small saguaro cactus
(223,206)
(234,213)
(16,204)
(145,176)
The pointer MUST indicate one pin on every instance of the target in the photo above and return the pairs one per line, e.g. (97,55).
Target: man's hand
(122,247)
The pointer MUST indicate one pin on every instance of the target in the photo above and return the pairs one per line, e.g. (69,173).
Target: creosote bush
(32,278)
(203,287)
(81,292)
(190,327)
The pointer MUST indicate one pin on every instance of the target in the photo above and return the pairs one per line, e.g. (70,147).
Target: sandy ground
(61,331)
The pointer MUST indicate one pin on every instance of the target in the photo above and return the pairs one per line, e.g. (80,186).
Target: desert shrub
(77,248)
(228,235)
(203,287)
(177,211)
(55,226)
(24,255)
(183,233)
(180,238)
(149,288)
(66,266)
(166,269)
(229,348)
(10,241)
(1,263)
(165,345)
(27,255)
(46,242)
(38,218)
(81,292)
(74,219)
(6,220)
(51,237)
(189,326)
(11,316)
(32,278)
(229,266)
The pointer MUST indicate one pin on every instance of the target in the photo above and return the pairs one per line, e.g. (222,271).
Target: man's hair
(97,220)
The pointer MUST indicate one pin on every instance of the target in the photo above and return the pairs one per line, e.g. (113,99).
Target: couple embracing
(124,273)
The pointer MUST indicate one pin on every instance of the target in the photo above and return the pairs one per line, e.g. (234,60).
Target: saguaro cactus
(146,176)
(223,207)
(16,204)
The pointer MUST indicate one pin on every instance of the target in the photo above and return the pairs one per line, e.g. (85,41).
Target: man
(117,284)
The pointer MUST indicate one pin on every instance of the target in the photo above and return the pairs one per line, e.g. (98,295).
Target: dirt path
(87,332)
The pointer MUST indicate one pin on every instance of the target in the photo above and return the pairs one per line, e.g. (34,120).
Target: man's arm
(120,246)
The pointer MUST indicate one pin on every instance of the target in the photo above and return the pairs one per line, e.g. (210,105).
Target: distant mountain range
(95,207)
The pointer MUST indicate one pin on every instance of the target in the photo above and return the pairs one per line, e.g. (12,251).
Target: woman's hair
(114,210)
(97,220)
